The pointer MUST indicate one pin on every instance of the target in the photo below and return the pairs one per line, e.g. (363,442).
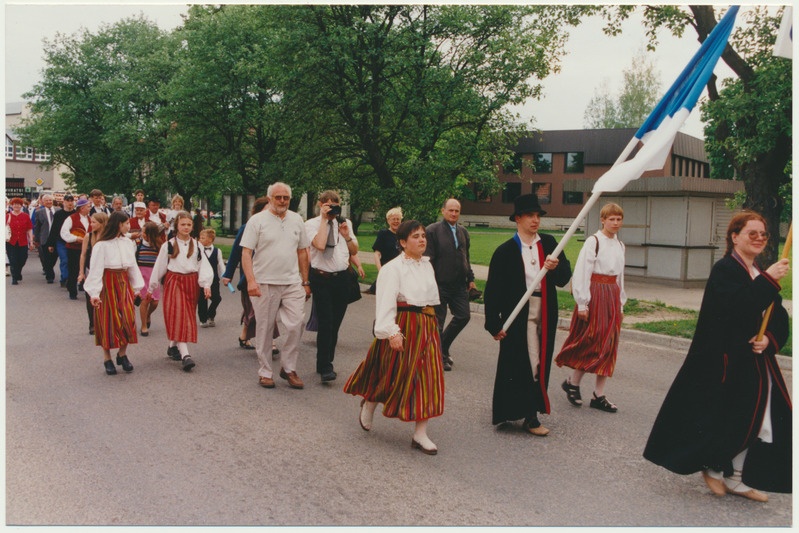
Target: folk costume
(598,284)
(113,277)
(520,390)
(409,384)
(183,276)
(75,226)
(17,243)
(206,309)
(725,398)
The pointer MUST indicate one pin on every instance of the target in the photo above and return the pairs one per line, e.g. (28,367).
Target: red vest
(78,231)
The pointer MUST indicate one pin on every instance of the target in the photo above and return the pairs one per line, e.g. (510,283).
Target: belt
(537,294)
(426,310)
(326,274)
(603,278)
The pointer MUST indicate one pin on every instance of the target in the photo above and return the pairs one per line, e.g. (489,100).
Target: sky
(591,59)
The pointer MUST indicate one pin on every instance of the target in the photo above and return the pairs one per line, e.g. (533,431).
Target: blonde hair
(209,231)
(393,212)
(177,198)
(611,209)
(99,220)
(178,217)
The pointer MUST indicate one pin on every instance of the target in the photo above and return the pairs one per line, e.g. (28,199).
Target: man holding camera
(332,243)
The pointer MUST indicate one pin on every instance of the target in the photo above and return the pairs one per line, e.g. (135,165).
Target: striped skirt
(591,345)
(409,384)
(180,306)
(115,319)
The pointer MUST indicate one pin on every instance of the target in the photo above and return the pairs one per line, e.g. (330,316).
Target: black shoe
(63,284)
(49,281)
(110,369)
(71,297)
(447,363)
(329,376)
(572,393)
(173,353)
(602,404)
(126,366)
(14,282)
(188,364)
(91,330)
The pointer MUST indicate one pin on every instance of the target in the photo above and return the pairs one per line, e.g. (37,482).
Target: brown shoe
(539,431)
(739,489)
(716,486)
(294,380)
(267,383)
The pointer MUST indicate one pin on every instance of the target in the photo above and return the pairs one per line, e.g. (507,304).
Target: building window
(480,195)
(9,149)
(511,192)
(572,198)
(574,162)
(544,192)
(514,165)
(542,163)
(42,156)
(25,154)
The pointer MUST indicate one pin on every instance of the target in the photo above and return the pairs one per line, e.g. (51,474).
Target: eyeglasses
(282,198)
(755,234)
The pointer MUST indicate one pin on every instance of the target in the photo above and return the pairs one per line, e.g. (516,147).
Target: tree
(405,104)
(94,109)
(748,132)
(639,95)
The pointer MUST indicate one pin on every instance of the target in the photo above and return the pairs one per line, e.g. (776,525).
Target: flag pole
(786,251)
(558,249)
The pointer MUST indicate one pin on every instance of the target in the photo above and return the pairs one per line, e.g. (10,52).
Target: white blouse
(66,228)
(609,261)
(405,280)
(181,264)
(119,253)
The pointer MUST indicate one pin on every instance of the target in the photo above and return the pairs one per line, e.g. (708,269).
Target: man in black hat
(154,214)
(55,244)
(525,349)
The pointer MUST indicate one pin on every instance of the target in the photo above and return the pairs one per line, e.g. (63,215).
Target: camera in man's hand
(335,211)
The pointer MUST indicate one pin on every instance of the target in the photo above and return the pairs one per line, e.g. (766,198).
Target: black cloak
(516,395)
(715,407)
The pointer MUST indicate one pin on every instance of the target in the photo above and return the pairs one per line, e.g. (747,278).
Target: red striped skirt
(409,384)
(180,306)
(591,345)
(115,319)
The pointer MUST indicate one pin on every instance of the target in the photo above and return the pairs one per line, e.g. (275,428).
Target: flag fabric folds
(783,47)
(659,129)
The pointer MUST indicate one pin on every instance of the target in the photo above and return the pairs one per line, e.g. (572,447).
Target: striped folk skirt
(115,319)
(409,384)
(180,306)
(591,345)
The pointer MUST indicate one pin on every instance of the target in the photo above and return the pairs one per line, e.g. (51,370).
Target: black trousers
(17,257)
(457,298)
(207,309)
(330,299)
(48,260)
(73,269)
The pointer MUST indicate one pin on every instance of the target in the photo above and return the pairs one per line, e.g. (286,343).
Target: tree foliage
(639,94)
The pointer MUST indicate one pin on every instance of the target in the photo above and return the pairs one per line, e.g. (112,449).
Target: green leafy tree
(406,104)
(94,109)
(748,132)
(638,96)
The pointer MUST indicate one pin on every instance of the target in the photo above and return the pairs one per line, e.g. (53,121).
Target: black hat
(526,203)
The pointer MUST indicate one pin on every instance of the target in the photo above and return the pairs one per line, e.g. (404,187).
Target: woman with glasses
(728,412)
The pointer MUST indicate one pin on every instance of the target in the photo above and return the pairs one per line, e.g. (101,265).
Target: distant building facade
(26,176)
(545,161)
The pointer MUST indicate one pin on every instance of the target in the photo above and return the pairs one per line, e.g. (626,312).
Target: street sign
(40,182)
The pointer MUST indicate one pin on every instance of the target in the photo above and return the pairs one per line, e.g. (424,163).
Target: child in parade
(205,309)
(99,220)
(113,277)
(146,254)
(182,269)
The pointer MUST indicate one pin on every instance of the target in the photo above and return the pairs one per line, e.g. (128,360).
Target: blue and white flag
(783,47)
(659,129)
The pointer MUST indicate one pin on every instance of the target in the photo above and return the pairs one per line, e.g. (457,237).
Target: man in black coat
(55,244)
(448,250)
(525,350)
(42,221)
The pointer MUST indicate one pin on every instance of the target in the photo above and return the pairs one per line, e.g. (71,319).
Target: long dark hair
(152,235)
(181,215)
(737,224)
(112,227)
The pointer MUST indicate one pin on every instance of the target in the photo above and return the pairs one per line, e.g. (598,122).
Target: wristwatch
(306,283)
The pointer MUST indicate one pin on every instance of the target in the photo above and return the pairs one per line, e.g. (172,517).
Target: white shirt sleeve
(388,283)
(159,268)
(66,230)
(220,268)
(581,277)
(93,284)
(205,273)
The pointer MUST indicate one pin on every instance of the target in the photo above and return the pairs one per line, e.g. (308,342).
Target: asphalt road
(162,447)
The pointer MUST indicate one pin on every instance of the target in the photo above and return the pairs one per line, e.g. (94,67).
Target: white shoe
(211,323)
(203,324)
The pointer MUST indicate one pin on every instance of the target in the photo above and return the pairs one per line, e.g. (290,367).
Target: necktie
(49,217)
(331,235)
(455,235)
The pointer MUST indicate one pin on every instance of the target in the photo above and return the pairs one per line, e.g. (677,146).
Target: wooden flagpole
(786,251)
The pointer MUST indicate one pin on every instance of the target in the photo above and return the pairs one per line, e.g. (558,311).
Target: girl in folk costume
(184,269)
(403,369)
(598,289)
(113,277)
(99,220)
(146,254)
